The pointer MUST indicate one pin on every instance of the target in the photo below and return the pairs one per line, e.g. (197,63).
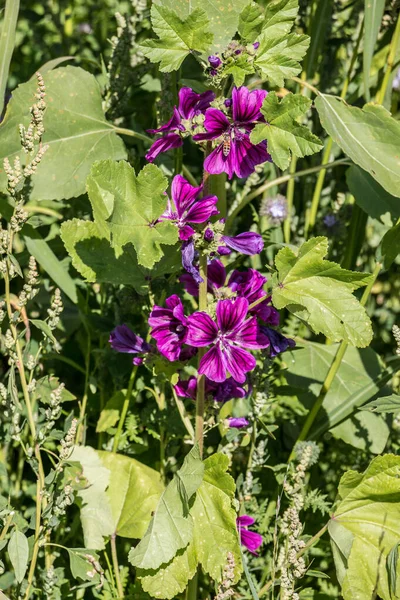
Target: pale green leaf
(358,373)
(281,130)
(390,245)
(45,387)
(391,568)
(96,516)
(373,13)
(178,37)
(280,16)
(126,208)
(278,58)
(44,328)
(110,414)
(320,292)
(76,132)
(368,519)
(133,493)
(369,136)
(222,15)
(81,564)
(251,20)
(171,528)
(18,552)
(239,69)
(371,196)
(386,404)
(7,43)
(214,535)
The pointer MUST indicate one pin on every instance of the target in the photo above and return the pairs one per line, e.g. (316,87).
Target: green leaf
(251,20)
(171,527)
(282,131)
(277,58)
(280,16)
(133,493)
(96,516)
(44,328)
(239,69)
(75,131)
(18,552)
(386,404)
(46,385)
(126,208)
(214,535)
(7,42)
(391,568)
(369,136)
(365,528)
(373,13)
(81,564)
(371,196)
(390,246)
(178,37)
(320,292)
(110,414)
(45,256)
(359,371)
(222,15)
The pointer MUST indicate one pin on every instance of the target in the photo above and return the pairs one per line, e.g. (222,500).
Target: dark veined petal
(217,162)
(231,313)
(251,540)
(172,124)
(183,194)
(216,124)
(201,210)
(213,365)
(238,362)
(248,155)
(188,254)
(122,339)
(186,232)
(216,274)
(279,343)
(202,330)
(186,389)
(249,335)
(246,104)
(191,103)
(246,243)
(171,140)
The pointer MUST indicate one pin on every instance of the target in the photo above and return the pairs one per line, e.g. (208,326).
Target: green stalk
(82,413)
(216,187)
(380,97)
(312,213)
(125,408)
(191,590)
(289,198)
(355,237)
(7,40)
(337,361)
(199,433)
(283,179)
(114,557)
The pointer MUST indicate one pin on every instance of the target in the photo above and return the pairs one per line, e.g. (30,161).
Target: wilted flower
(169,327)
(246,243)
(220,392)
(275,209)
(122,339)
(250,539)
(278,342)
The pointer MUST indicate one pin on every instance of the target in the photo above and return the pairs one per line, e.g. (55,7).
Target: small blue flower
(275,209)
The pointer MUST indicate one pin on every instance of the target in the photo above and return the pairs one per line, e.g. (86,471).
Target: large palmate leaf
(214,535)
(222,15)
(320,292)
(371,196)
(171,528)
(281,130)
(365,528)
(279,58)
(359,373)
(369,136)
(119,498)
(76,132)
(178,37)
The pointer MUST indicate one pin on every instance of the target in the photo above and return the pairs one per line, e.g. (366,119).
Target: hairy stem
(337,361)
(114,556)
(125,408)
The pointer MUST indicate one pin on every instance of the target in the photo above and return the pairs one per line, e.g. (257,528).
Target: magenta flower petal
(188,255)
(187,389)
(279,343)
(191,103)
(186,232)
(216,274)
(169,327)
(246,104)
(216,124)
(202,330)
(183,194)
(217,162)
(249,335)
(213,365)
(202,210)
(248,155)
(171,140)
(250,539)
(173,123)
(122,339)
(238,422)
(245,521)
(245,243)
(238,362)
(231,314)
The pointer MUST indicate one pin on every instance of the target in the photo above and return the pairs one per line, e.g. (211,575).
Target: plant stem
(278,181)
(333,369)
(201,378)
(7,525)
(82,414)
(312,213)
(191,590)
(289,198)
(182,412)
(380,97)
(355,237)
(116,566)
(125,408)
(135,134)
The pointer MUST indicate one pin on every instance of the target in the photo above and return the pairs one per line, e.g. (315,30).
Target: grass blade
(7,40)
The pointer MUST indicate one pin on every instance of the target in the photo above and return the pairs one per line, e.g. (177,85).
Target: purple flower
(187,209)
(190,104)
(214,61)
(237,422)
(250,539)
(122,339)
(275,209)
(256,45)
(331,221)
(228,337)
(221,392)
(278,342)
(234,152)
(245,243)
(169,327)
